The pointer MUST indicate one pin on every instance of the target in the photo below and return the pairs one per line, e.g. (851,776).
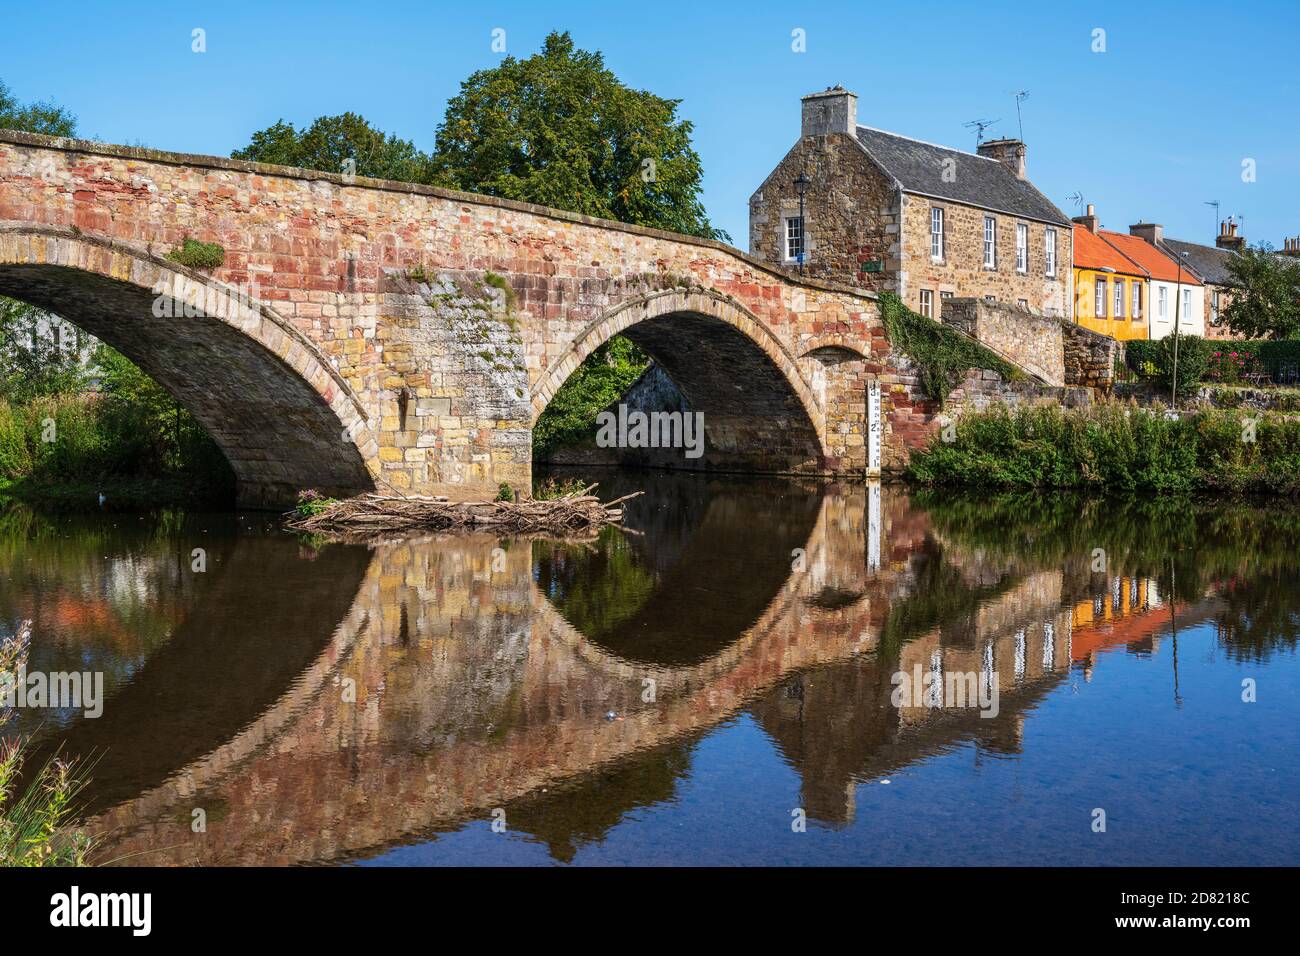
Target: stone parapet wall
(1027,340)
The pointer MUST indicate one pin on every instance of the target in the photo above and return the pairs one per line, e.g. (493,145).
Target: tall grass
(34,827)
(1116,448)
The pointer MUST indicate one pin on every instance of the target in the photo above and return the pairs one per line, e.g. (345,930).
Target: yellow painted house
(1110,289)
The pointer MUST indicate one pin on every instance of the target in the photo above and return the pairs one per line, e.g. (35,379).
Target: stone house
(885,212)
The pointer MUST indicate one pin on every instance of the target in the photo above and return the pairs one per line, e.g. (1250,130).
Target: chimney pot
(1151,232)
(1009,152)
(833,110)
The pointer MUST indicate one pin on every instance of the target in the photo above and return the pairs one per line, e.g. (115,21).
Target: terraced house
(875,209)
(1110,288)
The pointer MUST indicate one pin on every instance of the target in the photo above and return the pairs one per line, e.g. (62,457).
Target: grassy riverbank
(1115,448)
(128,441)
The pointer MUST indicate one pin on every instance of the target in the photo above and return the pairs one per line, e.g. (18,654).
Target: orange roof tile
(1157,264)
(1093,252)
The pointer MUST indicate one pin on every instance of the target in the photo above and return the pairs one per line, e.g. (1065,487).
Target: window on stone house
(990,298)
(1022,247)
(794,239)
(927,303)
(1099,298)
(990,243)
(945,295)
(936,234)
(1137,300)
(1049,251)
(1119,298)
(1214,307)
(1023,304)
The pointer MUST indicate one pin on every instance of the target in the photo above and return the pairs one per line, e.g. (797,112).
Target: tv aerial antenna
(1021,96)
(979,125)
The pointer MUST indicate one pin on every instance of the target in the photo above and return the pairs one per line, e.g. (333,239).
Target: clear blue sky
(1149,129)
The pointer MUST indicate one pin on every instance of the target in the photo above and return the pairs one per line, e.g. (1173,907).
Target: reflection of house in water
(838,726)
(1129,613)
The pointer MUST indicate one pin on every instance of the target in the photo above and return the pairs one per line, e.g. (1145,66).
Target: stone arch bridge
(363,334)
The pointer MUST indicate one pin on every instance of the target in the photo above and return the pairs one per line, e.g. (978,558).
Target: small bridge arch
(279,412)
(759,411)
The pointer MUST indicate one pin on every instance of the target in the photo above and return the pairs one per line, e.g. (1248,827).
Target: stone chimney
(1009,152)
(1150,231)
(1291,247)
(1228,238)
(834,110)
(1089,221)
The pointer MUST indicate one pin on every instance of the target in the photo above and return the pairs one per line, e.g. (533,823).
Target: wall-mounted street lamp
(801,184)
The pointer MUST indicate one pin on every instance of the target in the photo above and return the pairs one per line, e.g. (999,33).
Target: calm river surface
(722,685)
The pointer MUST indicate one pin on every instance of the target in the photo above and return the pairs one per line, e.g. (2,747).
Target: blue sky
(1150,129)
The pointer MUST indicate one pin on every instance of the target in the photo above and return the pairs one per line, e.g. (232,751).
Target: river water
(747,675)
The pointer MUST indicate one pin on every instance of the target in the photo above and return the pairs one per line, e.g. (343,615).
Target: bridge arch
(280,413)
(760,412)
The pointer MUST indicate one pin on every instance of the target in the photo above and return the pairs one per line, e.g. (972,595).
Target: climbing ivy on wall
(942,355)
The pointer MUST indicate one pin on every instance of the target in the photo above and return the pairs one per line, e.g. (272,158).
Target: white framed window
(1099,298)
(990,298)
(1119,298)
(1214,307)
(1187,302)
(1162,302)
(1023,304)
(990,243)
(794,239)
(945,295)
(1137,300)
(927,303)
(1022,247)
(1049,251)
(936,233)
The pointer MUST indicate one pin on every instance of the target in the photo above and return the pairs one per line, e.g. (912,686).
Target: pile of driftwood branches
(577,513)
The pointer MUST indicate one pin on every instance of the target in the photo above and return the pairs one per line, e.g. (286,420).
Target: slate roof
(977,181)
(1209,262)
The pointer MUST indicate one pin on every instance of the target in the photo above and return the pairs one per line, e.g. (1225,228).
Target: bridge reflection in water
(327,703)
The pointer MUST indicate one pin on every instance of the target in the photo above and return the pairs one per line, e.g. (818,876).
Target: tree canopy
(330,141)
(35,117)
(561,130)
(1266,303)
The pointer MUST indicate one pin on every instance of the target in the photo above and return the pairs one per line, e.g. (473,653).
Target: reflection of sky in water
(225,685)
(1214,781)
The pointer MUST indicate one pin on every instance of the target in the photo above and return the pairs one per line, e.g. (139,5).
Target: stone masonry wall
(1090,357)
(1033,342)
(962,271)
(850,211)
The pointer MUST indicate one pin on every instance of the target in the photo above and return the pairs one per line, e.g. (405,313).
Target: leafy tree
(598,382)
(1266,303)
(34,117)
(561,130)
(332,140)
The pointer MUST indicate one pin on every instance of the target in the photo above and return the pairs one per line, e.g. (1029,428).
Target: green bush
(198,255)
(1113,448)
(1193,362)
